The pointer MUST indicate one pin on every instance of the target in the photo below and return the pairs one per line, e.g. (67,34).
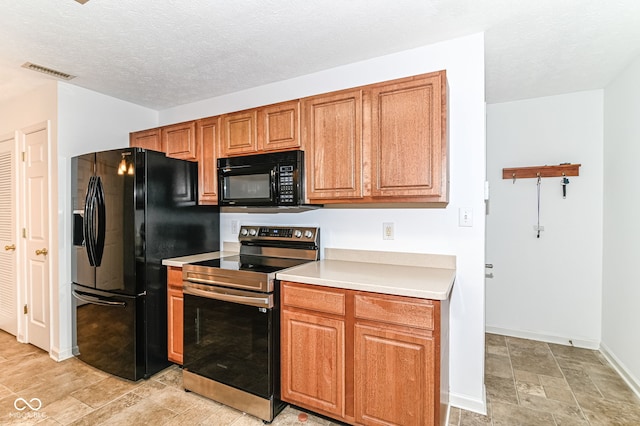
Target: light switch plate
(465,216)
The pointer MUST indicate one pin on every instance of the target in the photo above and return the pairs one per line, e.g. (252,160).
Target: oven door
(248,185)
(231,337)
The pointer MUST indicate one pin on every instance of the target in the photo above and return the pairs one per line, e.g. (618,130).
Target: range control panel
(278,233)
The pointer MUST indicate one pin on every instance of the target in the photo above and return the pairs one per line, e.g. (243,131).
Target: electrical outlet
(234,227)
(387,231)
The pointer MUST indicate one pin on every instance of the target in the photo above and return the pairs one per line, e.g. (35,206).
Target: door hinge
(24,232)
(24,155)
(26,310)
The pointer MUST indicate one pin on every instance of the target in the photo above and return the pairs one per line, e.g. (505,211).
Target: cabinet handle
(488,265)
(43,252)
(11,247)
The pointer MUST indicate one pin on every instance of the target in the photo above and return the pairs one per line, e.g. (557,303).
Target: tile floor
(535,383)
(528,383)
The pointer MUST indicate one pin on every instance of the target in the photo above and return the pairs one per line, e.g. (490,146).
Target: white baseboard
(58,355)
(548,338)
(465,402)
(622,370)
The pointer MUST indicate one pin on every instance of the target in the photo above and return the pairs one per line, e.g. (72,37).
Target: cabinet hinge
(26,310)
(24,232)
(24,155)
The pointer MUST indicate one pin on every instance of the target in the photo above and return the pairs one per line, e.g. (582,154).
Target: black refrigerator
(132,208)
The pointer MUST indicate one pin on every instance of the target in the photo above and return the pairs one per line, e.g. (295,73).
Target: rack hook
(513,175)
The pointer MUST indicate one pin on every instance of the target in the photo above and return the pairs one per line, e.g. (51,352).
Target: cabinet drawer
(174,276)
(395,310)
(315,299)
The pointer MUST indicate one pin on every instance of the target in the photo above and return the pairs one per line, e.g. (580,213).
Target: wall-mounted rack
(560,170)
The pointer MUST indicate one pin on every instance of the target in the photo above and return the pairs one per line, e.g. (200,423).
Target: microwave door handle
(274,187)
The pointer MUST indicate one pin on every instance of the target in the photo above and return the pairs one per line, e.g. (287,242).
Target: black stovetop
(262,264)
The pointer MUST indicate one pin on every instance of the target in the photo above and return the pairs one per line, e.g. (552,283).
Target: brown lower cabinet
(175,314)
(364,358)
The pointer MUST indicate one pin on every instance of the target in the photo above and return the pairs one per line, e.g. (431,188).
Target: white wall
(34,108)
(548,288)
(417,230)
(621,295)
(88,121)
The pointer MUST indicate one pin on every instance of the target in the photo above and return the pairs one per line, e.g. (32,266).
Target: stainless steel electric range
(232,318)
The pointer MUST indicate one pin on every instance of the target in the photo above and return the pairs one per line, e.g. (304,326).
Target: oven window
(229,343)
(255,186)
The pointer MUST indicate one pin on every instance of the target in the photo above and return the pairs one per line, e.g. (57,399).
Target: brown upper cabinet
(269,128)
(279,126)
(384,142)
(208,131)
(179,141)
(377,144)
(176,140)
(146,139)
(408,145)
(239,133)
(332,133)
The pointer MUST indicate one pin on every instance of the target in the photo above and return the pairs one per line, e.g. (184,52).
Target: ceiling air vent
(48,71)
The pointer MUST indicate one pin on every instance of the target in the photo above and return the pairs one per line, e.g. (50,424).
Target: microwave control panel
(287,185)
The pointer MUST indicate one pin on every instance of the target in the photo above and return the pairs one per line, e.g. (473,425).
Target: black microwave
(274,179)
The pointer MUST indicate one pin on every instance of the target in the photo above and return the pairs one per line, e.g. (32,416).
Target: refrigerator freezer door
(108,332)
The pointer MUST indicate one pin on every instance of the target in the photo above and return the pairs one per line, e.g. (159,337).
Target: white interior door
(8,236)
(36,236)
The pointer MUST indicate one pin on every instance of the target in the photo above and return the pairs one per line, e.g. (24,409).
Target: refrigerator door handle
(100,237)
(88,221)
(96,300)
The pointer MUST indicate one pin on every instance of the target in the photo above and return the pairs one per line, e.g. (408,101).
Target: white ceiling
(163,53)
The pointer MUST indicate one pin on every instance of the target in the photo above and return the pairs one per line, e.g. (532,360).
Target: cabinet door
(146,139)
(279,126)
(408,138)
(175,318)
(179,141)
(209,141)
(239,133)
(333,142)
(313,362)
(175,314)
(394,377)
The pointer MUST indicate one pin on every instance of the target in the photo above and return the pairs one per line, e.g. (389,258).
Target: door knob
(43,252)
(11,247)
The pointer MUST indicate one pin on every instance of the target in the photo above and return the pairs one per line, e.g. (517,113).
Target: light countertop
(228,249)
(425,276)
(425,281)
(181,261)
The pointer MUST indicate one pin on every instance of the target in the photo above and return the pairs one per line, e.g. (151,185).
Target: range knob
(244,232)
(252,232)
(308,234)
(297,233)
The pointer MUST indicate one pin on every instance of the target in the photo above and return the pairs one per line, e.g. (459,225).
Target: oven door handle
(217,294)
